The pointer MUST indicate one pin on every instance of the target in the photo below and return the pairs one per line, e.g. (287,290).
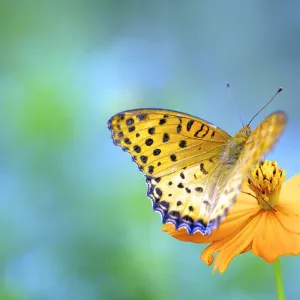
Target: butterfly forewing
(180,156)
(261,141)
(162,141)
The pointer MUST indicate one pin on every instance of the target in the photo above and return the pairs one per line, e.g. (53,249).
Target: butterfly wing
(162,142)
(261,141)
(181,158)
(187,196)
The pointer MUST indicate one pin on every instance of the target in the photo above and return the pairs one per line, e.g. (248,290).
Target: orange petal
(290,194)
(207,255)
(179,234)
(272,240)
(288,220)
(243,210)
(288,211)
(247,249)
(228,248)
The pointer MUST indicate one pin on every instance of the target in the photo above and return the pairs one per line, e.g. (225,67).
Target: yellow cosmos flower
(265,219)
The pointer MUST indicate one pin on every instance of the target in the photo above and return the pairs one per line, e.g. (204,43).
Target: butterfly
(194,170)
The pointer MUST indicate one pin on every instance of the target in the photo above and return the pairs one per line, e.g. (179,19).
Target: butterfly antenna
(279,90)
(233,100)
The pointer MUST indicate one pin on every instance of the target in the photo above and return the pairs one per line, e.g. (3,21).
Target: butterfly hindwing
(185,197)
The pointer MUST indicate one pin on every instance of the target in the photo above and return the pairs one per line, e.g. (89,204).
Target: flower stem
(278,278)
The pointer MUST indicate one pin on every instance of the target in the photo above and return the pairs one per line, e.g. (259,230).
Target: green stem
(278,278)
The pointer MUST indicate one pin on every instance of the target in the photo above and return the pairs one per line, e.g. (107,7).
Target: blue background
(75,222)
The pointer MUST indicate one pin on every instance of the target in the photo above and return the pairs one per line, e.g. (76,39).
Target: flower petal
(231,246)
(288,211)
(290,194)
(272,240)
(287,220)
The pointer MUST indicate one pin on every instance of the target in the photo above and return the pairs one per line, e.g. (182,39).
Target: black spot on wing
(137,148)
(156,152)
(161,206)
(141,117)
(182,144)
(158,192)
(151,130)
(198,131)
(166,137)
(199,189)
(131,128)
(144,159)
(173,157)
(149,142)
(179,127)
(127,141)
(189,125)
(150,169)
(202,169)
(129,122)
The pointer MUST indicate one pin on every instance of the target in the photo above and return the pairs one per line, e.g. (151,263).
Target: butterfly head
(242,136)
(245,131)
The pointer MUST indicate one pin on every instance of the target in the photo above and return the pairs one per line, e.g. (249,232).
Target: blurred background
(75,222)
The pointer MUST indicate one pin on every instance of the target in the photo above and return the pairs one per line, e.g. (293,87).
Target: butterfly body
(237,144)
(194,170)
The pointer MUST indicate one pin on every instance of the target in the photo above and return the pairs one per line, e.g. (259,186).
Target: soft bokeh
(75,222)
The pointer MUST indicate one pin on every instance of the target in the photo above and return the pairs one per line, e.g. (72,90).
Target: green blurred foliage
(75,221)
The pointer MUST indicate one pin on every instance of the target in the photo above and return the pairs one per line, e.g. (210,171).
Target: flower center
(265,181)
